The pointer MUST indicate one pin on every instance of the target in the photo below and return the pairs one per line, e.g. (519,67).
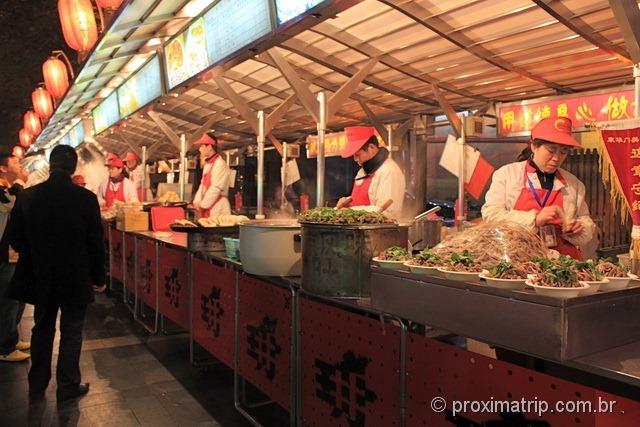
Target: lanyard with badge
(547,232)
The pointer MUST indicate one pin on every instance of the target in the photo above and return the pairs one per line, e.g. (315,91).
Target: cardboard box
(132,221)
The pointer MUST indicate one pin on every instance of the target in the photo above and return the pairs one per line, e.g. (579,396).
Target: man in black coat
(56,228)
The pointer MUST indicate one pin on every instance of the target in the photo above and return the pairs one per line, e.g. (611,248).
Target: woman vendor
(212,195)
(538,194)
(119,187)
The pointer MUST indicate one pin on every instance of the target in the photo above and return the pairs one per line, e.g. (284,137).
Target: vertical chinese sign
(621,166)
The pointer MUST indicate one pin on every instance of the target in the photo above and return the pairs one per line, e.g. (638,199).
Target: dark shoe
(79,390)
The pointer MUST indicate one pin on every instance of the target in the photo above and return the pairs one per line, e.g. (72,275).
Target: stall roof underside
(476,51)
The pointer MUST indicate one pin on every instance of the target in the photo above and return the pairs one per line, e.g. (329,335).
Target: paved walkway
(136,380)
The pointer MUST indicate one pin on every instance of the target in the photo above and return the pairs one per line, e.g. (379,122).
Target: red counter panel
(350,368)
(214,293)
(116,254)
(265,338)
(173,288)
(147,272)
(446,373)
(129,262)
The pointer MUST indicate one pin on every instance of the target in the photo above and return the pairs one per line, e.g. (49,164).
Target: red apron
(527,202)
(360,193)
(111,196)
(205,184)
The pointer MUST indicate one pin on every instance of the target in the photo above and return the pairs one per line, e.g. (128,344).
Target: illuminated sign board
(226,28)
(518,118)
(106,113)
(286,10)
(141,88)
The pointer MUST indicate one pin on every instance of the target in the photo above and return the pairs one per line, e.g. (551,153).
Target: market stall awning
(476,52)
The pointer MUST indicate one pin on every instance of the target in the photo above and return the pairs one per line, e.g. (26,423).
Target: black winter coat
(56,228)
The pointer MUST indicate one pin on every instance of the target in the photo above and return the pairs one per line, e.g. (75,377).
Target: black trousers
(43,333)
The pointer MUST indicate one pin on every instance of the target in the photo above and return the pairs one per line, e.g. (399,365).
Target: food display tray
(523,321)
(207,239)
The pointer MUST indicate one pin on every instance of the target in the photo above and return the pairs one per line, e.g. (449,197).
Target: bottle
(238,201)
(304,203)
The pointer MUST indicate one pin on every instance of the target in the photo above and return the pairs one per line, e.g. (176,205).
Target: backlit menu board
(186,55)
(226,28)
(106,113)
(76,135)
(286,10)
(231,25)
(141,88)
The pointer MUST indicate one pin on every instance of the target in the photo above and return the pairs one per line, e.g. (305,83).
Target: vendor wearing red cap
(379,178)
(79,180)
(136,171)
(212,195)
(119,187)
(537,193)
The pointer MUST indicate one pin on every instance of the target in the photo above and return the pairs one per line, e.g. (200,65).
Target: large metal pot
(336,259)
(425,233)
(271,247)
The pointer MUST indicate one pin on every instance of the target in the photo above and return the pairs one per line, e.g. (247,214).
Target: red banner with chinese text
(623,157)
(334,143)
(519,118)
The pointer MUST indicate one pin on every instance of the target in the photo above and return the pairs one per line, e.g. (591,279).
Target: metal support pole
(390,137)
(183,165)
(461,144)
(636,77)
(144,173)
(322,125)
(283,177)
(261,136)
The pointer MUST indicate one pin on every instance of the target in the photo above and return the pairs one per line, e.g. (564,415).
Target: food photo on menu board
(289,9)
(186,55)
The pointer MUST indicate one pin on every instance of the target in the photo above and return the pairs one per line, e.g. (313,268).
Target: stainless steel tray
(557,329)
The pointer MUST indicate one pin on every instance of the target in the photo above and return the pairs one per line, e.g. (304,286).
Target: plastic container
(232,247)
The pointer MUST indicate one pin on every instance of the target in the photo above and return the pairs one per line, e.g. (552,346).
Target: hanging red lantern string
(109,4)
(32,123)
(56,77)
(42,103)
(78,25)
(25,138)
(18,152)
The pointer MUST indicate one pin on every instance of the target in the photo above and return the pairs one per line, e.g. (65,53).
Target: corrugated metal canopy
(476,51)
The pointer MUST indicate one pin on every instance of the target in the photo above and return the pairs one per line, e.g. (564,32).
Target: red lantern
(18,152)
(42,103)
(78,24)
(32,123)
(25,138)
(109,4)
(55,75)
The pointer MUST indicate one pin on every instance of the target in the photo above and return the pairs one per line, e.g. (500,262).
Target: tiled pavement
(136,380)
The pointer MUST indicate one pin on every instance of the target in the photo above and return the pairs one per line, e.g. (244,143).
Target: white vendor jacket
(388,183)
(219,189)
(506,186)
(130,192)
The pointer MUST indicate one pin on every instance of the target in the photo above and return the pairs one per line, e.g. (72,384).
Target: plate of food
(617,275)
(393,258)
(559,280)
(589,274)
(426,262)
(505,275)
(462,267)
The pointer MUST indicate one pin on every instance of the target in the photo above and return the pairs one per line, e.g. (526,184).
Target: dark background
(29,31)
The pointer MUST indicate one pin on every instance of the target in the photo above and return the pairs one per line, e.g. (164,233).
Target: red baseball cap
(115,163)
(131,156)
(206,140)
(556,130)
(78,180)
(111,156)
(356,137)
